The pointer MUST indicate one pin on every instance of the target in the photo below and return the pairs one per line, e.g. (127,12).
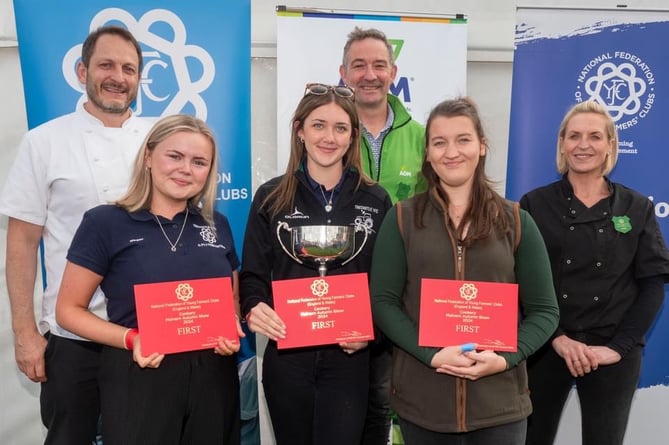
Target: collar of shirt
(578,210)
(375,143)
(319,190)
(146,215)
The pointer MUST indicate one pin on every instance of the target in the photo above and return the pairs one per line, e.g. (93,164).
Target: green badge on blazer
(622,224)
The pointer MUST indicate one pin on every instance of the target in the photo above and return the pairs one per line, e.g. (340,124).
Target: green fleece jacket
(402,155)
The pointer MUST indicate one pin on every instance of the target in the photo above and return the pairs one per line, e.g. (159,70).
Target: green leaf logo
(397,47)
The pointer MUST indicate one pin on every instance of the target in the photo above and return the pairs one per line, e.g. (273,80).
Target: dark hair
(486,212)
(283,196)
(89,44)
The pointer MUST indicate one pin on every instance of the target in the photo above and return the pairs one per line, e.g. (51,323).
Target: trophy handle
(358,228)
(284,225)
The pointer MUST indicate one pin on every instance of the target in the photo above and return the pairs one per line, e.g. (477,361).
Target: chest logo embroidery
(622,224)
(208,235)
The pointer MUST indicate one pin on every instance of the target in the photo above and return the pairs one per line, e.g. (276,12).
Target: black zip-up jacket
(263,258)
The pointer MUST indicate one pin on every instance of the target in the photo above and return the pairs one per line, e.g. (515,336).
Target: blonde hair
(139,194)
(589,106)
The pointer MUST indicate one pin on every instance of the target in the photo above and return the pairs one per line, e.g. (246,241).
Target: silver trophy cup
(318,245)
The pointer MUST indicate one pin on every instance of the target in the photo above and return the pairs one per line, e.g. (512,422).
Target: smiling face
(370,71)
(454,151)
(111,78)
(586,144)
(327,135)
(180,165)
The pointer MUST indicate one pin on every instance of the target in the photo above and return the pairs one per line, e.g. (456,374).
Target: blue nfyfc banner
(618,58)
(196,61)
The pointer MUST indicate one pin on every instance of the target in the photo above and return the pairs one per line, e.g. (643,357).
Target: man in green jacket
(393,144)
(393,149)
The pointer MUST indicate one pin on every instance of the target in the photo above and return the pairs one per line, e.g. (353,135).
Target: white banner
(430,53)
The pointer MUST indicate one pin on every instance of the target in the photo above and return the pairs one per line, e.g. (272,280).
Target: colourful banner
(310,47)
(616,57)
(190,66)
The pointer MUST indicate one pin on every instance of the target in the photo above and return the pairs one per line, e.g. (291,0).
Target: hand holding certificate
(454,312)
(179,316)
(325,310)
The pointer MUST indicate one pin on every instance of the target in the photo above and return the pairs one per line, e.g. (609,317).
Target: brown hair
(88,47)
(486,212)
(282,198)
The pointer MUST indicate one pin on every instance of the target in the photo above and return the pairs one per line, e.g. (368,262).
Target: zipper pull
(459,247)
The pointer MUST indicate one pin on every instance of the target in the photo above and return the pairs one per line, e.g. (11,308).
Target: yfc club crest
(622,82)
(176,72)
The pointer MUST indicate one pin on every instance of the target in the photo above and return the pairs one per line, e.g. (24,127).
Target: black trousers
(605,396)
(508,434)
(377,424)
(316,396)
(192,398)
(70,398)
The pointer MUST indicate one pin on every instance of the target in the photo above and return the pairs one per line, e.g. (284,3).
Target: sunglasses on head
(320,89)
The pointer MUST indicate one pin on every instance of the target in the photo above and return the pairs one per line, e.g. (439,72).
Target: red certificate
(454,312)
(324,310)
(178,316)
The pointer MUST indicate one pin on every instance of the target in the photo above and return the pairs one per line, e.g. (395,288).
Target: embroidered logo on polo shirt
(208,236)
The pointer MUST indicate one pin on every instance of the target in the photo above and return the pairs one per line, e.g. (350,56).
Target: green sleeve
(539,309)
(387,281)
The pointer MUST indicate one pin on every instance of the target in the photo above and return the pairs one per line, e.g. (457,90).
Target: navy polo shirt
(129,248)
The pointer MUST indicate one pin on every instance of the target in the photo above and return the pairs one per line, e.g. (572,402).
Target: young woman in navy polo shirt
(164,229)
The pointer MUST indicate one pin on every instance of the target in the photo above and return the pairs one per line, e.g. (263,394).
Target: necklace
(328,202)
(455,212)
(173,245)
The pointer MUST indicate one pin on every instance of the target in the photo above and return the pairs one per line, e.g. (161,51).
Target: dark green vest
(440,402)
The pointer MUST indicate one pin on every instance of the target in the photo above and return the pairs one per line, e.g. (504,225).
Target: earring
(302,141)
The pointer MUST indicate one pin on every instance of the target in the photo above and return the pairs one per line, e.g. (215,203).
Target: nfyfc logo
(622,82)
(168,80)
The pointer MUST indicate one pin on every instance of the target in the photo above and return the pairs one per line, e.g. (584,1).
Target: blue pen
(468,347)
